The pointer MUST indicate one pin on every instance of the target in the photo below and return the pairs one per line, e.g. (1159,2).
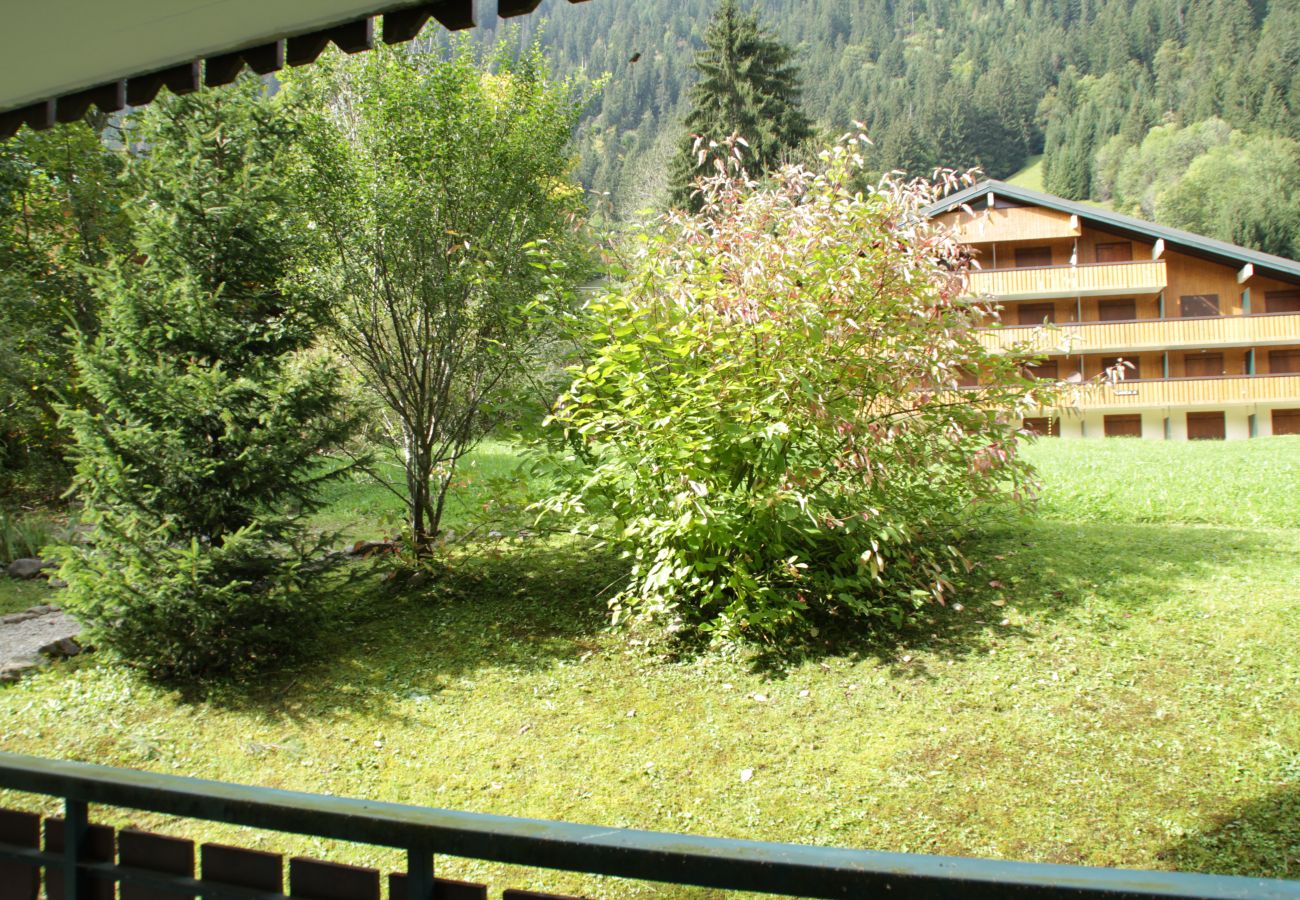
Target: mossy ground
(1121,687)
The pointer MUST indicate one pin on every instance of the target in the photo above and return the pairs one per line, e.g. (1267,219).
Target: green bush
(192,610)
(770,413)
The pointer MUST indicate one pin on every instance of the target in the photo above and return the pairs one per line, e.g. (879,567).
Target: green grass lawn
(1120,687)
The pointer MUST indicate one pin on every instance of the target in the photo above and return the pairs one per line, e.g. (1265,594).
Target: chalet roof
(60,57)
(1128,226)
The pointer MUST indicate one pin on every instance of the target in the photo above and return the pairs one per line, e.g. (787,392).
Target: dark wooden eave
(392,22)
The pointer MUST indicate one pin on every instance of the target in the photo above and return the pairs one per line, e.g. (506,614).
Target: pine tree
(748,86)
(200,444)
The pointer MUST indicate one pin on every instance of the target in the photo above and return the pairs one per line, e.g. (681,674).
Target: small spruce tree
(200,445)
(747,87)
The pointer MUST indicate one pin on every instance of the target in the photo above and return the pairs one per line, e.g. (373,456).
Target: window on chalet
(1286,421)
(1027,257)
(1116,310)
(1282,301)
(1122,426)
(1044,426)
(1118,251)
(1193,305)
(1132,367)
(1280,361)
(1035,313)
(1203,365)
(1048,368)
(1205,426)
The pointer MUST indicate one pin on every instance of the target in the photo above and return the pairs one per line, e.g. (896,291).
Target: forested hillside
(954,82)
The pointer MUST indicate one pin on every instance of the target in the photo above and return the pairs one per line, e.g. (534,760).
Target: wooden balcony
(1150,334)
(1048,282)
(1230,390)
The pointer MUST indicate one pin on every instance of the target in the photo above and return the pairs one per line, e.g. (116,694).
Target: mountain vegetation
(947,82)
(748,87)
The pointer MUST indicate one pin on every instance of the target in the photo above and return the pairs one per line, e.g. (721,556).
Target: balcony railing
(1225,390)
(84,862)
(1137,335)
(1092,280)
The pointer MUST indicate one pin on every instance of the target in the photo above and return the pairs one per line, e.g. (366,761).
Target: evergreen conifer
(199,446)
(748,86)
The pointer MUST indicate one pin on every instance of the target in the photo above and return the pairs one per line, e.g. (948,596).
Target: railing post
(419,873)
(75,826)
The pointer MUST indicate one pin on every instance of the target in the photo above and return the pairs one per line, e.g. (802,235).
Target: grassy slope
(1123,693)
(1031,175)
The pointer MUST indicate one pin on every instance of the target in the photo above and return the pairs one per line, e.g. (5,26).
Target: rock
(16,667)
(57,583)
(61,648)
(25,568)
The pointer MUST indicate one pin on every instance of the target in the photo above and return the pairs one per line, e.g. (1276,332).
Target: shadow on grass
(1259,840)
(499,604)
(1103,574)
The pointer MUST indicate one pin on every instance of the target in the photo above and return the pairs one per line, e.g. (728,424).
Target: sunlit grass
(1113,691)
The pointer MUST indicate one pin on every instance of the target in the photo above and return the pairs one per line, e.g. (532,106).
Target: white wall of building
(1236,422)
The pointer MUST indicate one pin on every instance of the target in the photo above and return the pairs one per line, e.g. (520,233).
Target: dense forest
(966,83)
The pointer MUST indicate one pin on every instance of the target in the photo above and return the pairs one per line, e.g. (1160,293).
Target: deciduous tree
(441,189)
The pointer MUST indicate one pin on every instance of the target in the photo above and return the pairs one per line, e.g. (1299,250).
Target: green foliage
(1246,192)
(22,536)
(1142,173)
(748,87)
(770,416)
(201,439)
(953,83)
(60,216)
(440,188)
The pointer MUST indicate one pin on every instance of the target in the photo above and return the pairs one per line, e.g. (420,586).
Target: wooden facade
(1207,335)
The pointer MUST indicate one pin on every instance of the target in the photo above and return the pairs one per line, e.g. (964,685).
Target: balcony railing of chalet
(1224,390)
(1090,280)
(1136,335)
(81,861)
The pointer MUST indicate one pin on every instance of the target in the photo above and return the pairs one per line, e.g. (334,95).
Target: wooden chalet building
(1209,332)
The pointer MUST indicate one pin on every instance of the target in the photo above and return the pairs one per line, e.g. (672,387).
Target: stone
(63,647)
(18,666)
(25,568)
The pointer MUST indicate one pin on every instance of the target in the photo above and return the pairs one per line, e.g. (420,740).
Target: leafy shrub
(771,416)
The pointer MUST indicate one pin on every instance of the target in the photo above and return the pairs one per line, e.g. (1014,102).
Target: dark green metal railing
(644,855)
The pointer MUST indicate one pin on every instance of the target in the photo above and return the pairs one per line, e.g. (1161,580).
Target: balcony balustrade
(1151,334)
(1228,390)
(1093,280)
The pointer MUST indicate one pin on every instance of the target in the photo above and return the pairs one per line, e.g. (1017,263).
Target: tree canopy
(748,86)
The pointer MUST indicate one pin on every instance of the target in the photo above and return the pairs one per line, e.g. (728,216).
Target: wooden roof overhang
(1198,245)
(59,58)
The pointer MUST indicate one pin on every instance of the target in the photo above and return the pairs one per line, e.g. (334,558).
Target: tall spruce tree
(200,444)
(748,86)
